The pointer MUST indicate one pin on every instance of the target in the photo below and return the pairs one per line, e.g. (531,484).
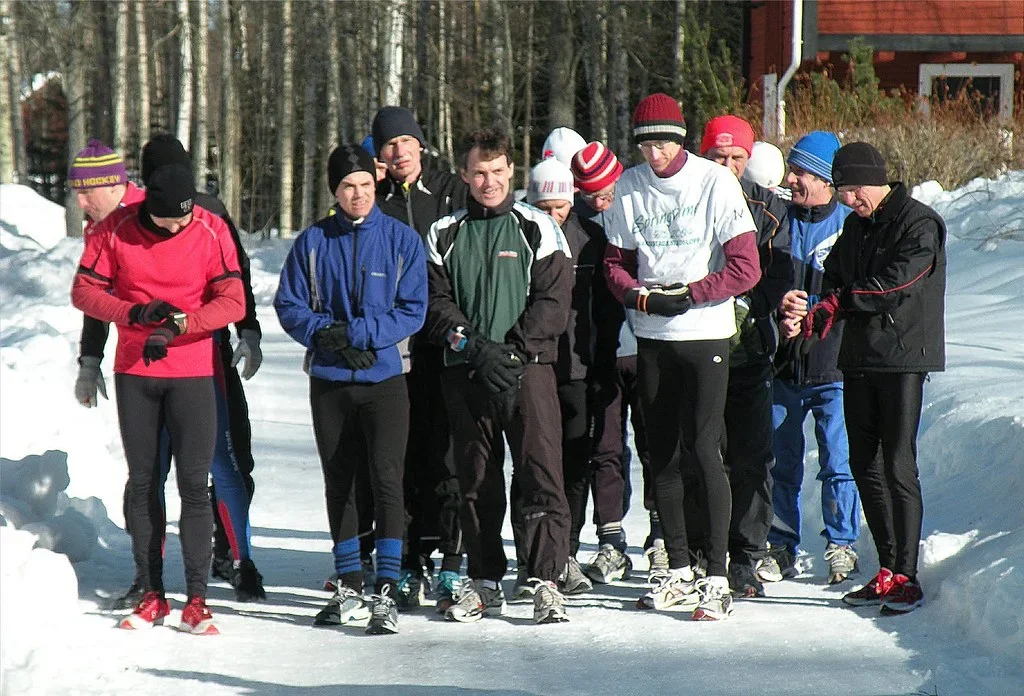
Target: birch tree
(184,120)
(79,44)
(230,138)
(14,42)
(8,105)
(201,150)
(120,77)
(142,71)
(618,79)
(285,134)
(394,54)
(332,128)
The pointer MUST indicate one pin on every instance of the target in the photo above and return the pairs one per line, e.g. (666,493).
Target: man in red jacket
(132,273)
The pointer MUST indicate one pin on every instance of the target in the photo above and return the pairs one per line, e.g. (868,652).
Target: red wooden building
(919,44)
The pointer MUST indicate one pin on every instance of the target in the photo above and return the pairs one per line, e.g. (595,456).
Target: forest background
(267,88)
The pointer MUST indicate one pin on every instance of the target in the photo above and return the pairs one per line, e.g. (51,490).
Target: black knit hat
(393,121)
(160,150)
(858,164)
(347,159)
(170,191)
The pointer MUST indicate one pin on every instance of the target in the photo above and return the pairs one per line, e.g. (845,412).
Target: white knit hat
(562,144)
(550,181)
(766,165)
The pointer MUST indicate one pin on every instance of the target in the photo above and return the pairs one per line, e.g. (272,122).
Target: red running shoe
(197,619)
(872,593)
(149,612)
(904,596)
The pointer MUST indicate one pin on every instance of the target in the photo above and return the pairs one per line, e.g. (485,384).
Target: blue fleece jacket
(371,274)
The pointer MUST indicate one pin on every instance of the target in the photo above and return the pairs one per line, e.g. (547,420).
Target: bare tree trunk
(618,79)
(595,32)
(142,69)
(394,53)
(309,159)
(332,128)
(200,154)
(14,46)
(444,118)
(184,121)
(528,97)
(562,72)
(285,135)
(231,119)
(9,105)
(120,77)
(74,76)
(677,50)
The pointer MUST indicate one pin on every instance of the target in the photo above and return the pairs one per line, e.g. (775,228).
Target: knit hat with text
(814,153)
(550,180)
(391,122)
(859,164)
(658,117)
(97,165)
(595,167)
(727,131)
(562,143)
(347,159)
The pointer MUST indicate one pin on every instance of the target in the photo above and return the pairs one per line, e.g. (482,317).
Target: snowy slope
(969,638)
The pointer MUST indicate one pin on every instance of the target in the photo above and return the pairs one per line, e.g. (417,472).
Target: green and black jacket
(503,272)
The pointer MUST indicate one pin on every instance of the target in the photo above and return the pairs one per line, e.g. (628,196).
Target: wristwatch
(181,321)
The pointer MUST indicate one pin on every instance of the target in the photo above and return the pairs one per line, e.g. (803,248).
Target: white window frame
(927,72)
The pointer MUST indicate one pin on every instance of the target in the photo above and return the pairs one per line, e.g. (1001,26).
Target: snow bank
(38,592)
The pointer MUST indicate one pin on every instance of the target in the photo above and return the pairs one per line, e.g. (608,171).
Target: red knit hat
(727,131)
(658,117)
(595,167)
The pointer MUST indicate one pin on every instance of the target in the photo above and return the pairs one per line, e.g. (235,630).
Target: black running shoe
(129,600)
(223,568)
(249,582)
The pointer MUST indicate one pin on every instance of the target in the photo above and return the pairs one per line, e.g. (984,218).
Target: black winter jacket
(889,271)
(434,195)
(757,334)
(595,315)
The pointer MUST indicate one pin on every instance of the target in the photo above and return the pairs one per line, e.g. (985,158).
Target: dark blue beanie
(814,152)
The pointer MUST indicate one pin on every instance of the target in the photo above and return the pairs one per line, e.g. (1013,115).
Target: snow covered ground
(968,639)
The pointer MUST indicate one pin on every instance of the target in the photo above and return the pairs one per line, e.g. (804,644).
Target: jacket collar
(479,212)
(890,205)
(347,226)
(816,213)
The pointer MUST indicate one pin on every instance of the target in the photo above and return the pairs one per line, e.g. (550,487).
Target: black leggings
(683,386)
(187,407)
(361,432)
(883,410)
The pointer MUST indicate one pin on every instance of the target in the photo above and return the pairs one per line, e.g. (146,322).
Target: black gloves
(498,366)
(668,301)
(155,347)
(356,359)
(151,312)
(332,339)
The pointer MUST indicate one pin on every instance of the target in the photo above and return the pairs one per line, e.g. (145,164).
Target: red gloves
(821,317)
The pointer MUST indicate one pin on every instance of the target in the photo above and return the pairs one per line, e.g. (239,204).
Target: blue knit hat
(814,152)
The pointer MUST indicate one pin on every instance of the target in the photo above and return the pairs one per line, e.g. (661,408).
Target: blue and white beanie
(814,152)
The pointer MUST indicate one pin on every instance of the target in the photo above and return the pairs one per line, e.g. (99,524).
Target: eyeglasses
(659,145)
(599,197)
